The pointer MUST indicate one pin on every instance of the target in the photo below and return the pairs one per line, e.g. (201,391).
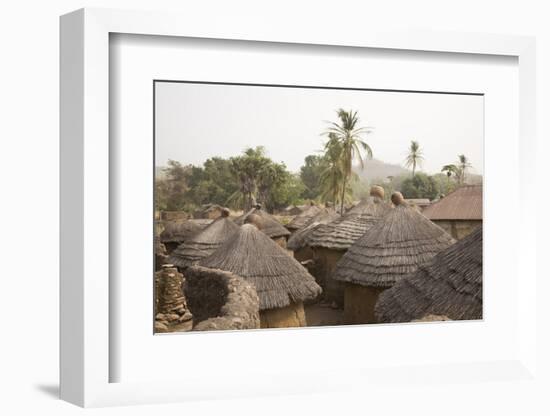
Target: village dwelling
(298,240)
(209,212)
(300,220)
(460,212)
(270,226)
(204,242)
(420,203)
(394,247)
(330,241)
(282,284)
(178,216)
(448,287)
(175,232)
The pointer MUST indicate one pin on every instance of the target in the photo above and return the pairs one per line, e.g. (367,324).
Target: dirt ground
(320,314)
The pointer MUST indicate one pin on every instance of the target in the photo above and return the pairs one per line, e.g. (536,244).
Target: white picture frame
(85,221)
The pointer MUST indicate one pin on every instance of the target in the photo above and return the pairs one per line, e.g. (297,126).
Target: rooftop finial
(397,198)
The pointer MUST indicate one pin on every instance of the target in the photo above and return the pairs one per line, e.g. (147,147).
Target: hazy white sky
(195,122)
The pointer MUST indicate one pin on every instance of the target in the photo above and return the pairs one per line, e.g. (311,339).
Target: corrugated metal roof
(466,203)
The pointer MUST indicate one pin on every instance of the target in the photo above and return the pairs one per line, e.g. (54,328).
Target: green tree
(310,174)
(171,189)
(347,138)
(415,156)
(246,169)
(449,171)
(420,186)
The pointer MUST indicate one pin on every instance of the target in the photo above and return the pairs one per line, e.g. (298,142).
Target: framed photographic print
(232,197)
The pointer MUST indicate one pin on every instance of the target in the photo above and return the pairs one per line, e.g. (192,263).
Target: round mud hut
(300,220)
(270,226)
(176,232)
(396,246)
(330,241)
(281,282)
(450,285)
(204,242)
(298,241)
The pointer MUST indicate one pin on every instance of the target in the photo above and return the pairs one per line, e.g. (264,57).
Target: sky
(197,121)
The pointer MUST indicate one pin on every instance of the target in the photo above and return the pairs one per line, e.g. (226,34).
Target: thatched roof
(278,278)
(300,220)
(177,232)
(466,203)
(271,227)
(341,233)
(394,247)
(449,285)
(300,238)
(204,243)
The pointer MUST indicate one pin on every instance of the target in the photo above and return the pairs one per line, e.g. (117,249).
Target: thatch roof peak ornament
(395,246)
(450,285)
(377,191)
(278,278)
(225,212)
(255,220)
(270,225)
(397,199)
(203,243)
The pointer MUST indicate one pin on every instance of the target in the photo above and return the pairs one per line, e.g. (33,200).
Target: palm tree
(463,165)
(350,144)
(415,157)
(331,178)
(449,170)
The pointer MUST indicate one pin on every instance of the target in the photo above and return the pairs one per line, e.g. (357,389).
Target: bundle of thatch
(449,285)
(271,227)
(299,239)
(394,247)
(300,220)
(341,233)
(205,242)
(278,278)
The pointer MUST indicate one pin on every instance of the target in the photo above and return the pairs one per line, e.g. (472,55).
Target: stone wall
(221,300)
(174,216)
(458,229)
(171,311)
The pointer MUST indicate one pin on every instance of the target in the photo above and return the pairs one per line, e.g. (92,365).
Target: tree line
(240,181)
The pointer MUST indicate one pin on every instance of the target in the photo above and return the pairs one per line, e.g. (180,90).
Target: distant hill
(376,169)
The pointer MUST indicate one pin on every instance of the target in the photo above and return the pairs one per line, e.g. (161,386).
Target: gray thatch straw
(449,285)
(394,247)
(300,220)
(177,232)
(205,242)
(300,238)
(278,278)
(344,231)
(271,227)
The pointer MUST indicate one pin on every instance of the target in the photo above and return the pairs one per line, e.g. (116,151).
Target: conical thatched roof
(204,242)
(449,285)
(300,238)
(278,278)
(394,247)
(271,227)
(177,232)
(300,220)
(341,233)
